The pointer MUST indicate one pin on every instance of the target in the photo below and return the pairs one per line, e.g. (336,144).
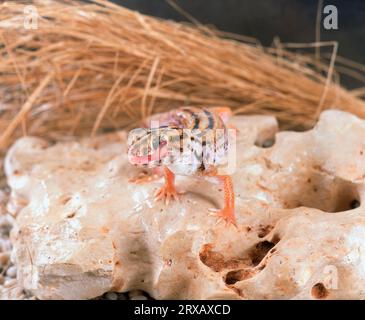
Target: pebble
(4,259)
(3,196)
(268,143)
(5,231)
(111,296)
(134,293)
(13,256)
(139,298)
(11,272)
(6,219)
(5,245)
(122,296)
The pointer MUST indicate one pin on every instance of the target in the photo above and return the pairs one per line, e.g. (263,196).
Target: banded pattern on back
(200,134)
(198,119)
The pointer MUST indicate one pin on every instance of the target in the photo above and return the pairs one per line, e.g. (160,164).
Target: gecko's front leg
(168,190)
(227,213)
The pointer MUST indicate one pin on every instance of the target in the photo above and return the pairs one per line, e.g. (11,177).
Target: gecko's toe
(166,193)
(213,212)
(224,215)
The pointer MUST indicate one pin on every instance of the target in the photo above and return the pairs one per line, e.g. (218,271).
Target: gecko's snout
(147,151)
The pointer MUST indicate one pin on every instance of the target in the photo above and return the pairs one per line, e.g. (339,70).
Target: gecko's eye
(136,135)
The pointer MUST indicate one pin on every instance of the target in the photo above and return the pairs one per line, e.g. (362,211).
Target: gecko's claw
(166,193)
(224,215)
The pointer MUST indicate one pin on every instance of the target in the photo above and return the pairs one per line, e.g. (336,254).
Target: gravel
(4,258)
(139,298)
(5,245)
(9,286)
(11,272)
(111,296)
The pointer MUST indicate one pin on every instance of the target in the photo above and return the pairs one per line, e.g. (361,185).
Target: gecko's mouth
(153,157)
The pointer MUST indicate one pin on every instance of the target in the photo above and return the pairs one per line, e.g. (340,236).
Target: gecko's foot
(167,193)
(226,215)
(144,177)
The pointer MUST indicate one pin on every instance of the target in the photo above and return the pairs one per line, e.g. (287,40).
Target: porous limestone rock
(82,229)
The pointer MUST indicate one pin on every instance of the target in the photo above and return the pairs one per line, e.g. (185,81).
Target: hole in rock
(65,199)
(213,260)
(71,215)
(260,250)
(355,204)
(237,275)
(217,261)
(264,230)
(320,191)
(319,291)
(267,143)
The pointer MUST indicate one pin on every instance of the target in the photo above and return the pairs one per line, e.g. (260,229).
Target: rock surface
(82,229)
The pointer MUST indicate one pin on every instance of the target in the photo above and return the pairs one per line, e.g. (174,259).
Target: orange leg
(168,191)
(227,213)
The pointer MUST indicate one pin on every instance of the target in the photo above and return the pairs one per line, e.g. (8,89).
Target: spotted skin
(202,134)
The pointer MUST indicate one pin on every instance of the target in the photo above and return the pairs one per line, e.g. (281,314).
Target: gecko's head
(148,147)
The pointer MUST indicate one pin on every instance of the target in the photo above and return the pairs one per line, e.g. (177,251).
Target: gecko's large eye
(136,135)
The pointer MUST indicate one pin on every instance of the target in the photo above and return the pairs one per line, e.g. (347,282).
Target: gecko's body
(186,141)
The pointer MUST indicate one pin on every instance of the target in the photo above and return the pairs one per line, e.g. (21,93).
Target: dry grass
(94,67)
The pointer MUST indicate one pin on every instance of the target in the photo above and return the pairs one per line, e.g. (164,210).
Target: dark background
(290,20)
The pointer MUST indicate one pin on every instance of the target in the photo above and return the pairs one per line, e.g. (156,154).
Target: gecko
(185,128)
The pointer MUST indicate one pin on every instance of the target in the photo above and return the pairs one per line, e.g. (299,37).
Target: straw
(94,66)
